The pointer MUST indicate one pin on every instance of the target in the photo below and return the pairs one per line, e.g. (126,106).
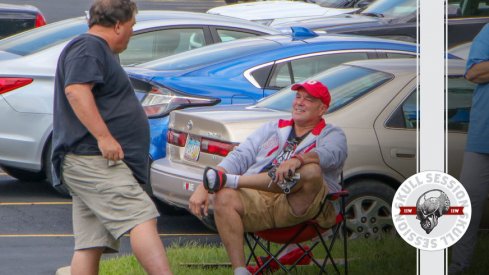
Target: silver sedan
(27,74)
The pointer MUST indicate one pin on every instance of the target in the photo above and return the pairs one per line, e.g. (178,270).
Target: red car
(18,18)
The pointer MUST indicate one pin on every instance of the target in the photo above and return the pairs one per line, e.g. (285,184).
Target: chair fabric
(297,234)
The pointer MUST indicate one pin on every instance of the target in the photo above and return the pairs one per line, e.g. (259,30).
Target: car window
(212,54)
(405,116)
(392,8)
(287,73)
(459,101)
(149,46)
(230,35)
(38,39)
(469,8)
(345,83)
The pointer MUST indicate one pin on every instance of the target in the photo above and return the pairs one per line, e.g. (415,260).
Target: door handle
(403,153)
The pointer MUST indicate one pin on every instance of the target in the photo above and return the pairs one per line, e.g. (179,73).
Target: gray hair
(108,12)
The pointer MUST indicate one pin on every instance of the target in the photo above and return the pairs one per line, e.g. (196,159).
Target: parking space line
(37,203)
(71,235)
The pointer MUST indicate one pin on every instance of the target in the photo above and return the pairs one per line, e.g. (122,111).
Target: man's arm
(478,73)
(83,104)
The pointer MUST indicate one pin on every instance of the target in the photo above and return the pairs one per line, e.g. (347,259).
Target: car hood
(333,22)
(276,9)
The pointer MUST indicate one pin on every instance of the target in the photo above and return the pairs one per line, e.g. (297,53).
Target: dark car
(18,18)
(397,19)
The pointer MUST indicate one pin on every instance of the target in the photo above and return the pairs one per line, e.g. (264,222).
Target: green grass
(387,256)
(380,257)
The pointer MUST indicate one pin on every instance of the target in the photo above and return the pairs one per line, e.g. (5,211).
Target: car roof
(15,8)
(267,47)
(405,65)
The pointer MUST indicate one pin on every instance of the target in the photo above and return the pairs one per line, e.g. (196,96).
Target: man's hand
(110,148)
(286,169)
(199,202)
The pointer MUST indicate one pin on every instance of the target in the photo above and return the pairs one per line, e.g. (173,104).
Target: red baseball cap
(315,89)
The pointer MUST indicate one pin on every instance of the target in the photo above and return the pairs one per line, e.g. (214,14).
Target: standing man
(101,142)
(255,184)
(475,169)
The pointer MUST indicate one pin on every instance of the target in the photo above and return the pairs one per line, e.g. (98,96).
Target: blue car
(244,71)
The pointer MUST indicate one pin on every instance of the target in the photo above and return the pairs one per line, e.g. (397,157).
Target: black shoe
(215,185)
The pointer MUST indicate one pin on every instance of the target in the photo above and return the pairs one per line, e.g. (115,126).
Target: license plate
(192,148)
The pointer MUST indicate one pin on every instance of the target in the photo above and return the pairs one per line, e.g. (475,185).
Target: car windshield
(332,3)
(38,39)
(345,83)
(210,54)
(391,8)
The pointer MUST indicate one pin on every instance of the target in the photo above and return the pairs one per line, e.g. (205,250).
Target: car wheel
(61,189)
(23,175)
(368,210)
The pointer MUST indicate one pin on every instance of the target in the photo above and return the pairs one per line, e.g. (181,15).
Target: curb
(63,271)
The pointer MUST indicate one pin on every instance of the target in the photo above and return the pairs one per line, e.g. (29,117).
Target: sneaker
(213,181)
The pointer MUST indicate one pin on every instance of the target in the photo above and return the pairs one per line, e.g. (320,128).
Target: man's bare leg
(228,217)
(86,261)
(148,248)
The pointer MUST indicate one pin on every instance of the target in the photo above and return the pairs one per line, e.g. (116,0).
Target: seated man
(278,176)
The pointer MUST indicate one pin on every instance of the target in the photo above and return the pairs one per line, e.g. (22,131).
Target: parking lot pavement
(36,235)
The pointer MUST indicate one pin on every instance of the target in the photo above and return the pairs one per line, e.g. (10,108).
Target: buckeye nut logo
(431,210)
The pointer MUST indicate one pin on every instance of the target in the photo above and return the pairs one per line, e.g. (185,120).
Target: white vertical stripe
(431,103)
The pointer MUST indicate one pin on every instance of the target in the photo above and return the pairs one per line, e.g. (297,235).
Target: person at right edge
(475,170)
(101,144)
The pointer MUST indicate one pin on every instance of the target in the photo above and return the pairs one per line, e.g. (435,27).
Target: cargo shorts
(107,201)
(265,210)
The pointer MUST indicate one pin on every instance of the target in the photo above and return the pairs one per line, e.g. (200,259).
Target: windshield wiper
(373,14)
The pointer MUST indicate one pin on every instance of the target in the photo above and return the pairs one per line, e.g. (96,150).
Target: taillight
(40,21)
(176,138)
(160,101)
(8,84)
(216,147)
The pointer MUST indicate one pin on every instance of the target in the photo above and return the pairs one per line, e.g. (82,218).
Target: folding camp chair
(305,231)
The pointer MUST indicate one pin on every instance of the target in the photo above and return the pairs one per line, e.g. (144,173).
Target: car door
(158,43)
(395,128)
(459,101)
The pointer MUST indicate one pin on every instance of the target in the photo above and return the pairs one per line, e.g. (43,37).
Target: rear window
(38,39)
(211,54)
(346,84)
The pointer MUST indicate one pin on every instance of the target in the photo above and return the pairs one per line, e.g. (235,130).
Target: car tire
(208,221)
(368,209)
(23,175)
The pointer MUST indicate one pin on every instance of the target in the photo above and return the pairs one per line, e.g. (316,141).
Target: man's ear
(117,27)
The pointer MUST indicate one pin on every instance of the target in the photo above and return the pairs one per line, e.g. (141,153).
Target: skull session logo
(431,210)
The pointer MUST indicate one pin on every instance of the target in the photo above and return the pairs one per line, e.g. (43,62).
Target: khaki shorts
(265,210)
(107,201)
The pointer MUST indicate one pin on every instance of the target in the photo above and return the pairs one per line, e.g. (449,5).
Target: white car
(274,12)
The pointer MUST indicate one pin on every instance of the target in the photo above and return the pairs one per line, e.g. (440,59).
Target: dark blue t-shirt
(88,59)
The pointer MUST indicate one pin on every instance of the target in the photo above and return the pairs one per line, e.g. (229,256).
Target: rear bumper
(174,183)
